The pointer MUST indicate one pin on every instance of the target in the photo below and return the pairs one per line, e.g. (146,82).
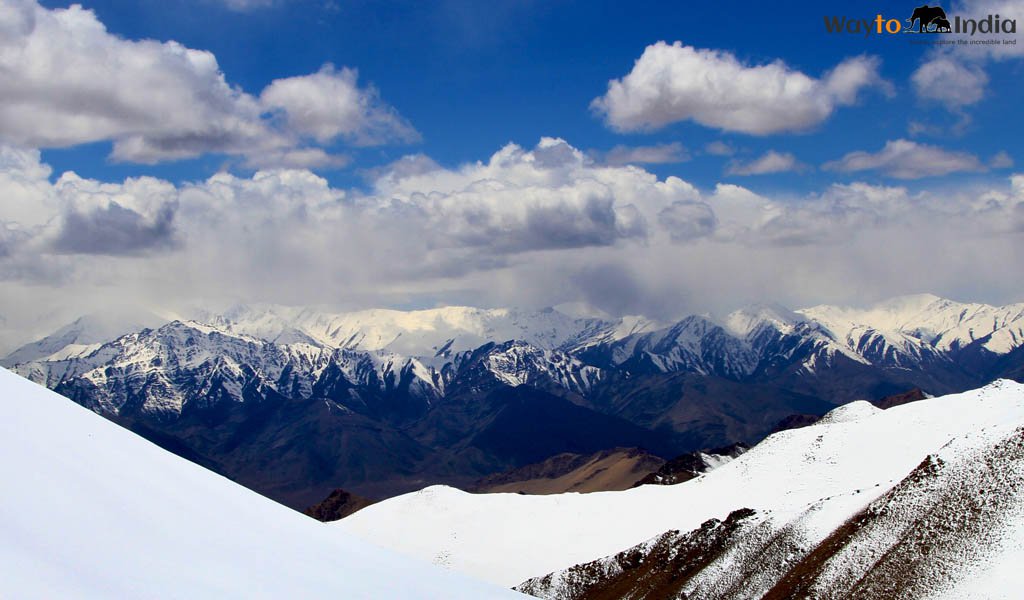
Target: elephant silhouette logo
(930,19)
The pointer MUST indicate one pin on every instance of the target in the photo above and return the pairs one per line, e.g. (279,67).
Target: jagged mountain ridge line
(297,420)
(573,354)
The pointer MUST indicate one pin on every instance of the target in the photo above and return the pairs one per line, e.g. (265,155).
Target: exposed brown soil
(609,470)
(897,399)
(338,505)
(649,572)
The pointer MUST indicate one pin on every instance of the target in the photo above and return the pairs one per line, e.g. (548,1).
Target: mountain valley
(294,403)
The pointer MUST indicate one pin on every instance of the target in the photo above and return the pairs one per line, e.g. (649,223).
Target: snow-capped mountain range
(432,381)
(431,345)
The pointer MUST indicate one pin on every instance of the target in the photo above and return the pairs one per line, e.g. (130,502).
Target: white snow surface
(850,412)
(90,510)
(937,321)
(422,332)
(507,538)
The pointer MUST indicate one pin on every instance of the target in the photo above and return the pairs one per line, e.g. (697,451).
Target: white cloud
(904,159)
(329,104)
(296,158)
(719,148)
(68,81)
(545,198)
(528,227)
(654,155)
(687,221)
(950,82)
(769,162)
(981,9)
(671,83)
(954,75)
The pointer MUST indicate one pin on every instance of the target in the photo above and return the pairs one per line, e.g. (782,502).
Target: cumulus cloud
(904,159)
(671,83)
(769,162)
(950,82)
(955,75)
(114,229)
(329,104)
(686,221)
(526,226)
(520,200)
(652,155)
(68,81)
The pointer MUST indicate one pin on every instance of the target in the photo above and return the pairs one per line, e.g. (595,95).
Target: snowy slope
(855,456)
(950,528)
(90,510)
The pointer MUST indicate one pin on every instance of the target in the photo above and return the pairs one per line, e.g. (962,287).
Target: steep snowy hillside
(90,510)
(816,477)
(951,528)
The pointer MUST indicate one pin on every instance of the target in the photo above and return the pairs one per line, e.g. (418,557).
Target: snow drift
(90,510)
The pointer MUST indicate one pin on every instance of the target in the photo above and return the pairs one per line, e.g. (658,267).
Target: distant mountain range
(297,402)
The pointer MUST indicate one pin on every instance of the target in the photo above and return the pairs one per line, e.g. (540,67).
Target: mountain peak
(745,321)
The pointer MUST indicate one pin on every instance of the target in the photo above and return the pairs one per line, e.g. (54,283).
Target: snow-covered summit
(422,332)
(84,334)
(746,322)
(938,322)
(916,341)
(859,409)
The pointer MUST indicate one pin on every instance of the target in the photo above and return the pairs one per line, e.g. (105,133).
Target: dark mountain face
(530,426)
(338,505)
(296,420)
(704,411)
(692,464)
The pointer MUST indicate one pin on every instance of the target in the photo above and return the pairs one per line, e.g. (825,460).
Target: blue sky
(637,158)
(472,76)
